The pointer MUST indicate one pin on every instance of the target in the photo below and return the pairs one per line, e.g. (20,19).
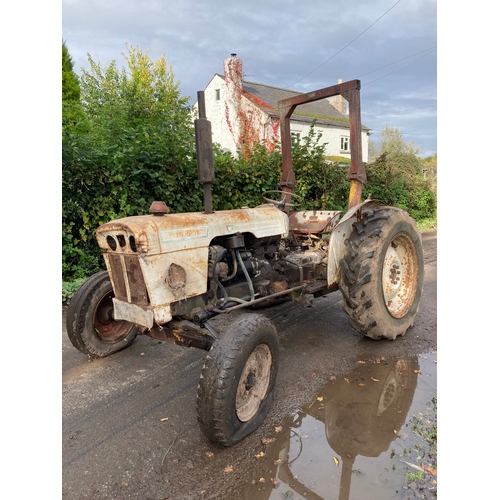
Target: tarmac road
(116,439)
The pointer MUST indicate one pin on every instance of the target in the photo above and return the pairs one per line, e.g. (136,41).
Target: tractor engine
(244,270)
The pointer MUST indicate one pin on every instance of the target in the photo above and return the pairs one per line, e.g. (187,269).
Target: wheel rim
(400,275)
(392,384)
(107,329)
(254,381)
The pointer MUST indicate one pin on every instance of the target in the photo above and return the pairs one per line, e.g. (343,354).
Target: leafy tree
(391,141)
(72,112)
(70,85)
(139,147)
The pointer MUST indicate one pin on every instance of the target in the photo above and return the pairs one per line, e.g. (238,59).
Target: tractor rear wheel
(237,381)
(382,273)
(89,320)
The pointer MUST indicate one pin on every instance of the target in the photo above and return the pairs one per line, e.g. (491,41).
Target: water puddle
(361,438)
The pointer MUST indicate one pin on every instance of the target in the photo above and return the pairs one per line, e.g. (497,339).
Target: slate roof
(266,98)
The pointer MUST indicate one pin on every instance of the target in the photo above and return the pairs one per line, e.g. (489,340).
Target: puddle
(356,439)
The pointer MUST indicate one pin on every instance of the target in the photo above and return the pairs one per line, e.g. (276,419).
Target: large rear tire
(382,273)
(237,381)
(89,320)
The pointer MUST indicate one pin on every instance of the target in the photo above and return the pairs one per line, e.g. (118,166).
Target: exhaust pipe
(204,152)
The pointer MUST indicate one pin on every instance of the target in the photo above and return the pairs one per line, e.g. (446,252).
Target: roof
(266,98)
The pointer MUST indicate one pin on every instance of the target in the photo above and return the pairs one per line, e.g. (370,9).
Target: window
(217,94)
(344,143)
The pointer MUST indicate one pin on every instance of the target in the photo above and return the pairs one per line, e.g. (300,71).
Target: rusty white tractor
(169,274)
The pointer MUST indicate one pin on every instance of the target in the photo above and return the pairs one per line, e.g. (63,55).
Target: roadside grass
(423,481)
(427,225)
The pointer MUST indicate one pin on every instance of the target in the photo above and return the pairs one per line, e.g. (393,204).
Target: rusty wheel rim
(106,328)
(253,383)
(400,275)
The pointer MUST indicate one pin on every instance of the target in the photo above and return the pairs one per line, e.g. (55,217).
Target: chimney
(233,73)
(338,102)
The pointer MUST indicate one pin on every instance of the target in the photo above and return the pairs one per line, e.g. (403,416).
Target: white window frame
(345,144)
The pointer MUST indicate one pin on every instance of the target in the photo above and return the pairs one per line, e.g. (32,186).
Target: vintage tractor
(169,274)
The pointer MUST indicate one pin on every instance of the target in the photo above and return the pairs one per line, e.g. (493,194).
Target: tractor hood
(150,234)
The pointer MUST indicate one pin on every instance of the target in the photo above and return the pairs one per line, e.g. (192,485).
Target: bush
(69,289)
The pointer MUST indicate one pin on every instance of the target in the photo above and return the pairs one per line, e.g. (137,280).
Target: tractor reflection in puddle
(362,414)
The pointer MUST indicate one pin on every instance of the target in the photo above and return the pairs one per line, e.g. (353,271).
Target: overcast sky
(390,45)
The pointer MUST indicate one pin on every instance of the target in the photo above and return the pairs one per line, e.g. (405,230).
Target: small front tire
(237,381)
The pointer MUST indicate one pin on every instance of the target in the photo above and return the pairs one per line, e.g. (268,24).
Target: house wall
(331,135)
(225,126)
(216,113)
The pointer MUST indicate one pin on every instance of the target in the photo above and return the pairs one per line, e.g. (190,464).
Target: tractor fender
(342,231)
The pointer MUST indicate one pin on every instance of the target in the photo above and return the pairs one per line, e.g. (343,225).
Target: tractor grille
(128,281)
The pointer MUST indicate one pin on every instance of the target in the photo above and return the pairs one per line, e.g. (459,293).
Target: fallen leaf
(273,480)
(209,454)
(166,480)
(361,385)
(305,436)
(261,454)
(262,480)
(417,371)
(266,441)
(278,429)
(313,374)
(229,468)
(124,483)
(362,362)
(374,379)
(320,398)
(164,419)
(333,377)
(336,460)
(277,461)
(288,494)
(395,431)
(347,380)
(142,353)
(430,470)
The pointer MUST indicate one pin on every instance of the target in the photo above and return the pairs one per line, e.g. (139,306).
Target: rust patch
(315,222)
(176,276)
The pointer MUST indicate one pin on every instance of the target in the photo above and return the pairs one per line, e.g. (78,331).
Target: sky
(390,45)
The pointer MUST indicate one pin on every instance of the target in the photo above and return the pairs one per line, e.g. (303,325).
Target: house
(242,112)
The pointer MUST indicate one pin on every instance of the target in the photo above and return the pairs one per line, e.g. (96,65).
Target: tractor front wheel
(237,381)
(382,273)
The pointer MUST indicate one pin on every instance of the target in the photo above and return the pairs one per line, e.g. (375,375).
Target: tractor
(168,274)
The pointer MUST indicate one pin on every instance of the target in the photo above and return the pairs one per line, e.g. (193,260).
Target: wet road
(129,421)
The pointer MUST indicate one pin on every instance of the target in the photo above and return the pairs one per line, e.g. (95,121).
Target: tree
(70,85)
(72,113)
(396,177)
(391,141)
(139,147)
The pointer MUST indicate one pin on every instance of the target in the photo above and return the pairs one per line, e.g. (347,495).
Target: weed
(69,288)
(414,476)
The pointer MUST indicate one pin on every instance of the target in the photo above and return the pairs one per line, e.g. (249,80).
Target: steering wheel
(281,203)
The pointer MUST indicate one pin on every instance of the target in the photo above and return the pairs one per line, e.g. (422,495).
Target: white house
(242,111)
